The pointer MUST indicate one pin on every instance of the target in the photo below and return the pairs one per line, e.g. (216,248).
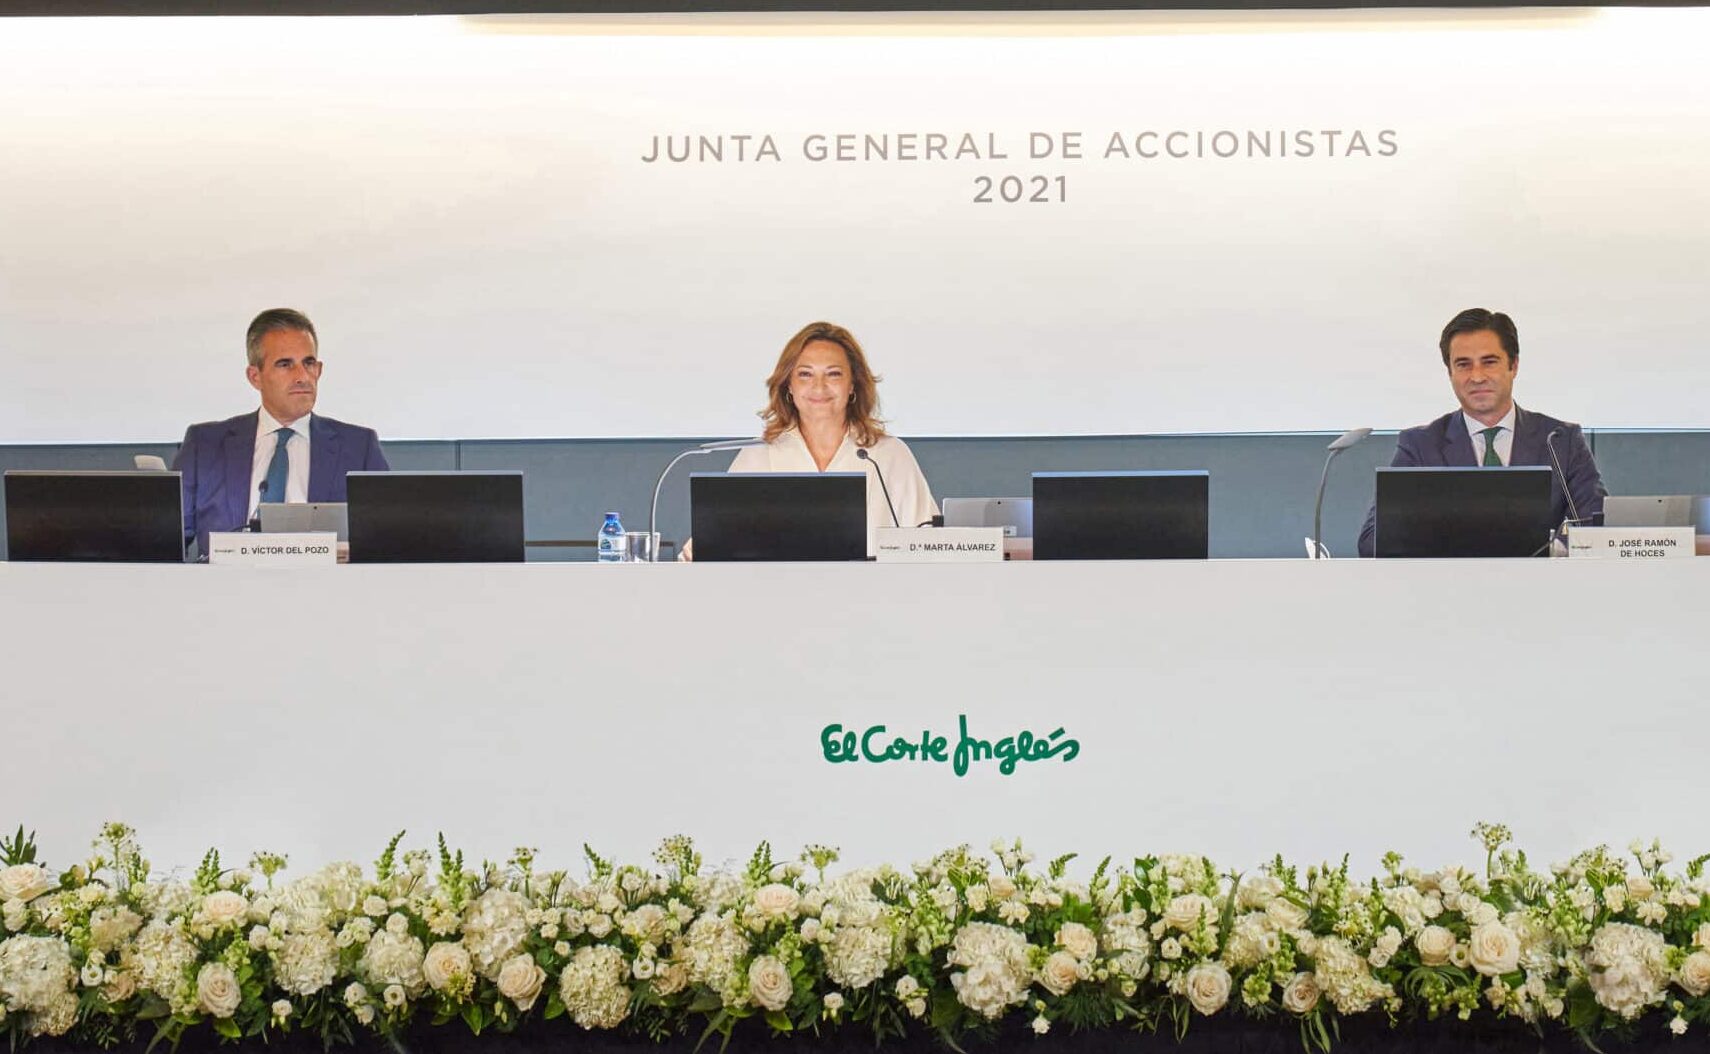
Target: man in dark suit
(280,453)
(1481,350)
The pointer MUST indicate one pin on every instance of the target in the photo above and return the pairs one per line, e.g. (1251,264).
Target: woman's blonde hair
(863,411)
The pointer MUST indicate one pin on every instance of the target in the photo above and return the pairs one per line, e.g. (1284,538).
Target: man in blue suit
(1481,350)
(280,453)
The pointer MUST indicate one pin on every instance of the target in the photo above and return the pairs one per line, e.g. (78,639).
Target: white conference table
(1235,708)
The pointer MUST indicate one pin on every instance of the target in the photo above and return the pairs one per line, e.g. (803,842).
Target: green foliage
(599,865)
(207,878)
(18,849)
(760,867)
(385,866)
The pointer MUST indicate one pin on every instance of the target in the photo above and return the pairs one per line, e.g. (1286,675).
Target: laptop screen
(435,517)
(1463,512)
(778,515)
(135,517)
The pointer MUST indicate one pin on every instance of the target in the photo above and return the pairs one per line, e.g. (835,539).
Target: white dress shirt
(296,475)
(1504,438)
(890,455)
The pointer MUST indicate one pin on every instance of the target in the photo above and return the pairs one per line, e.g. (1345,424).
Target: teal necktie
(278,468)
(1490,455)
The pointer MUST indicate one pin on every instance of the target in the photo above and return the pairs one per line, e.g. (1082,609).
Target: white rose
(1207,987)
(1003,887)
(1300,995)
(520,980)
(446,961)
(23,882)
(1493,949)
(1185,911)
(1286,914)
(224,908)
(1640,887)
(1694,973)
(1435,945)
(769,983)
(1059,973)
(810,930)
(281,1009)
(1258,890)
(833,1002)
(1077,940)
(776,901)
(373,905)
(217,990)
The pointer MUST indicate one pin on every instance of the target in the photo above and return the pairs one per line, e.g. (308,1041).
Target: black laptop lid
(778,515)
(435,517)
(1121,515)
(1463,512)
(135,517)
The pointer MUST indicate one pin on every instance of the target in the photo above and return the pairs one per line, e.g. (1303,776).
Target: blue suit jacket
(1445,442)
(218,458)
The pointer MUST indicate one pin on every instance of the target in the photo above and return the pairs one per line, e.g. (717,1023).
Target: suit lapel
(1528,448)
(239,453)
(1457,444)
(323,458)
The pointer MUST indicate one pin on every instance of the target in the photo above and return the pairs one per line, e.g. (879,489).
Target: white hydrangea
(35,973)
(592,987)
(711,948)
(995,972)
(1628,968)
(494,929)
(1345,978)
(394,959)
(162,954)
(856,956)
(304,963)
(1252,939)
(109,927)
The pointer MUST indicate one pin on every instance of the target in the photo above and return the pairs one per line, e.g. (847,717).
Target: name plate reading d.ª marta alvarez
(939,545)
(243,549)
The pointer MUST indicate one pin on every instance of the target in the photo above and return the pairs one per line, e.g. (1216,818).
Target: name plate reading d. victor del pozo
(242,549)
(939,545)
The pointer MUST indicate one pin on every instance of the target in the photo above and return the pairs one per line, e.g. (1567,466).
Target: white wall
(463,207)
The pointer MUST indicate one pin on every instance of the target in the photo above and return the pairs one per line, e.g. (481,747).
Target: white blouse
(909,491)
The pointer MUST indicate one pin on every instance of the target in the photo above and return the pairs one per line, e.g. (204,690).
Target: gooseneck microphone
(254,525)
(714,447)
(861,452)
(1352,437)
(1561,476)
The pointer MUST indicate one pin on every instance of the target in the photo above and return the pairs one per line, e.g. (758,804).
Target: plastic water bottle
(610,540)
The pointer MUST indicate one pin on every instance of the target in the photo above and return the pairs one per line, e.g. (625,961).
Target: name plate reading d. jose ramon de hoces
(1630,543)
(939,545)
(243,549)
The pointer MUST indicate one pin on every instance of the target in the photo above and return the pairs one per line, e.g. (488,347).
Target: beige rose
(1300,995)
(1435,944)
(444,963)
(1185,911)
(1059,972)
(769,983)
(1077,940)
(224,908)
(1003,887)
(520,980)
(120,986)
(1207,987)
(1694,973)
(1640,887)
(1258,890)
(23,882)
(777,901)
(1493,949)
(217,990)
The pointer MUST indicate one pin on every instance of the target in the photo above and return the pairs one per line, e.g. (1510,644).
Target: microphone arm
(1556,461)
(715,447)
(1352,437)
(861,452)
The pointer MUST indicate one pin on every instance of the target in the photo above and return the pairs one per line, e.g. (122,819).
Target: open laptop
(1014,515)
(759,516)
(295,518)
(135,517)
(1673,510)
(1463,512)
(435,517)
(1135,515)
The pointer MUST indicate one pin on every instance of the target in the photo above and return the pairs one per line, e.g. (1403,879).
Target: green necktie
(1490,455)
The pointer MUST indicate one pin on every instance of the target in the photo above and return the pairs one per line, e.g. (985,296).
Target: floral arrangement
(957,944)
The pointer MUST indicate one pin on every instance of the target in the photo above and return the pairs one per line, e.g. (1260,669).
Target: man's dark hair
(276,318)
(1475,319)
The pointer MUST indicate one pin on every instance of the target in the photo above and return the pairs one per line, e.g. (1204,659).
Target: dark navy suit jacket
(1445,442)
(218,458)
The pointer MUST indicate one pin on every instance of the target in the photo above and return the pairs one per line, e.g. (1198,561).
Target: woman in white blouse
(822,408)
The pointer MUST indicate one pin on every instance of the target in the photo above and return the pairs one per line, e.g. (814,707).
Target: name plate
(244,549)
(1630,543)
(940,545)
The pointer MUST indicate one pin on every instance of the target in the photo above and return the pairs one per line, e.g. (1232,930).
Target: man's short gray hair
(276,318)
